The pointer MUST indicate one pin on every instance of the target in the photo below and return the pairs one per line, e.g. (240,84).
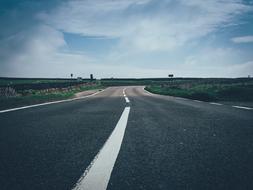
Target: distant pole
(91,76)
(171,75)
(71,75)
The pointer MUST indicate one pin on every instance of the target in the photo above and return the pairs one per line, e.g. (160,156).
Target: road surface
(126,138)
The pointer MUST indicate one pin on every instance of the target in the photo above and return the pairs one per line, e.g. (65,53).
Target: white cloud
(37,52)
(142,27)
(241,70)
(243,39)
(146,24)
(215,57)
(217,62)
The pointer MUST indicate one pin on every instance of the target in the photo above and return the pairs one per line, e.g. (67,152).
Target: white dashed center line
(126,98)
(98,173)
(124,93)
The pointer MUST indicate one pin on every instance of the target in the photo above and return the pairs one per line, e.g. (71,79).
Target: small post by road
(171,75)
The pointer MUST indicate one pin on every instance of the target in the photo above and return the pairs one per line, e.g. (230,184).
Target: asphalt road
(169,143)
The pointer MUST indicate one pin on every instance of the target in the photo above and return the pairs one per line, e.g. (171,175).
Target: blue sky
(126,38)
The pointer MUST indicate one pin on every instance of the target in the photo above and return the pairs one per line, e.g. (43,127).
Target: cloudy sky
(126,38)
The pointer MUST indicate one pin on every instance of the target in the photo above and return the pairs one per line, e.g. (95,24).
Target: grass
(31,81)
(30,97)
(205,89)
(207,92)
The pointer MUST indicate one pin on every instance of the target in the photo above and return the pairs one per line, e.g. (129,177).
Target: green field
(32,91)
(24,96)
(11,81)
(207,90)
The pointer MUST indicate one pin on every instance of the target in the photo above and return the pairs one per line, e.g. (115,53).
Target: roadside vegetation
(9,81)
(22,93)
(207,90)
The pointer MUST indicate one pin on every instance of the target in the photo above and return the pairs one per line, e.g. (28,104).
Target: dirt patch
(86,93)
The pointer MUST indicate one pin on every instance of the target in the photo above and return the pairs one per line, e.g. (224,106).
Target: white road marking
(98,173)
(180,98)
(124,93)
(48,103)
(214,103)
(148,92)
(127,100)
(242,107)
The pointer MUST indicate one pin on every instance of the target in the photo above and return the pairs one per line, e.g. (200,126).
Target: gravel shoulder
(86,93)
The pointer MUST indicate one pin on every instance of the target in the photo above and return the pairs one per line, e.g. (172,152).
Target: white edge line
(48,103)
(148,91)
(111,150)
(214,103)
(180,98)
(197,101)
(242,107)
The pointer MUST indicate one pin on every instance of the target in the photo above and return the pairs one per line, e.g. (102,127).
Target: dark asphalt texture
(49,147)
(169,143)
(181,144)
